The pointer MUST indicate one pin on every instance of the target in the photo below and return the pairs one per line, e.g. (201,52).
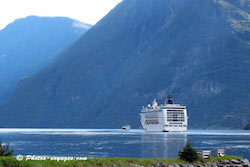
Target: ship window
(175,123)
(178,120)
(151,121)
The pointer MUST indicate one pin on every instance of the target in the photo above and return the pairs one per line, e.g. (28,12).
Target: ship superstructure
(168,117)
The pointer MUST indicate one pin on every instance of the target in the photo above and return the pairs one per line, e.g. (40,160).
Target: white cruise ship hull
(168,118)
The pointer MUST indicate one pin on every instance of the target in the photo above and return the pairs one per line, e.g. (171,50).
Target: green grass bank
(99,162)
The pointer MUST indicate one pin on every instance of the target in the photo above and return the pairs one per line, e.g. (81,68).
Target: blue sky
(88,11)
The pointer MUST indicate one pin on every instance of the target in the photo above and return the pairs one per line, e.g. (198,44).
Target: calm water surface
(122,143)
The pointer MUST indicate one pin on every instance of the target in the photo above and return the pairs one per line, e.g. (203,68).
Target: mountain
(197,51)
(29,44)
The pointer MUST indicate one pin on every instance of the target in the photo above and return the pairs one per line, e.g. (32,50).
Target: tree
(247,127)
(189,154)
(5,150)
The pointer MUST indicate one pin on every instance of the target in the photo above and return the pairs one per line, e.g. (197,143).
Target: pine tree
(189,154)
(5,150)
(247,127)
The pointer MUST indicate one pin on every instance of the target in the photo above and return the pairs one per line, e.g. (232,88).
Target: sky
(87,11)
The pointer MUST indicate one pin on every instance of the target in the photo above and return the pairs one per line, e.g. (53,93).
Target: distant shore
(126,162)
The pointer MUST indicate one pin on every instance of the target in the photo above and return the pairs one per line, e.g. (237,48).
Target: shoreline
(127,162)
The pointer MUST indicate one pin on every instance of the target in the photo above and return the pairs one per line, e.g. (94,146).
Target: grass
(98,162)
(228,157)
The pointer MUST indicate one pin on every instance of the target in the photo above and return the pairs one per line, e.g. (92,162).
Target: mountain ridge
(29,44)
(197,51)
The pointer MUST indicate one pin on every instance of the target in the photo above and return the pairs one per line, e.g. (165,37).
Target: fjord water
(122,143)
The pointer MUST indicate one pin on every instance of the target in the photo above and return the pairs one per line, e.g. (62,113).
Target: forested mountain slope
(196,50)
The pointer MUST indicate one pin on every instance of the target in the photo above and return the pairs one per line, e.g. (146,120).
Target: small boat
(126,127)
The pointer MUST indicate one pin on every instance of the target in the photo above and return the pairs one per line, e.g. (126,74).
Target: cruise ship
(168,117)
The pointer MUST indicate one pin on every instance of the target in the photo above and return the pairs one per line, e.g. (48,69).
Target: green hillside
(198,51)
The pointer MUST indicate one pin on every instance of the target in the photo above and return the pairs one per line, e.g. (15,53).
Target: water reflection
(165,145)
